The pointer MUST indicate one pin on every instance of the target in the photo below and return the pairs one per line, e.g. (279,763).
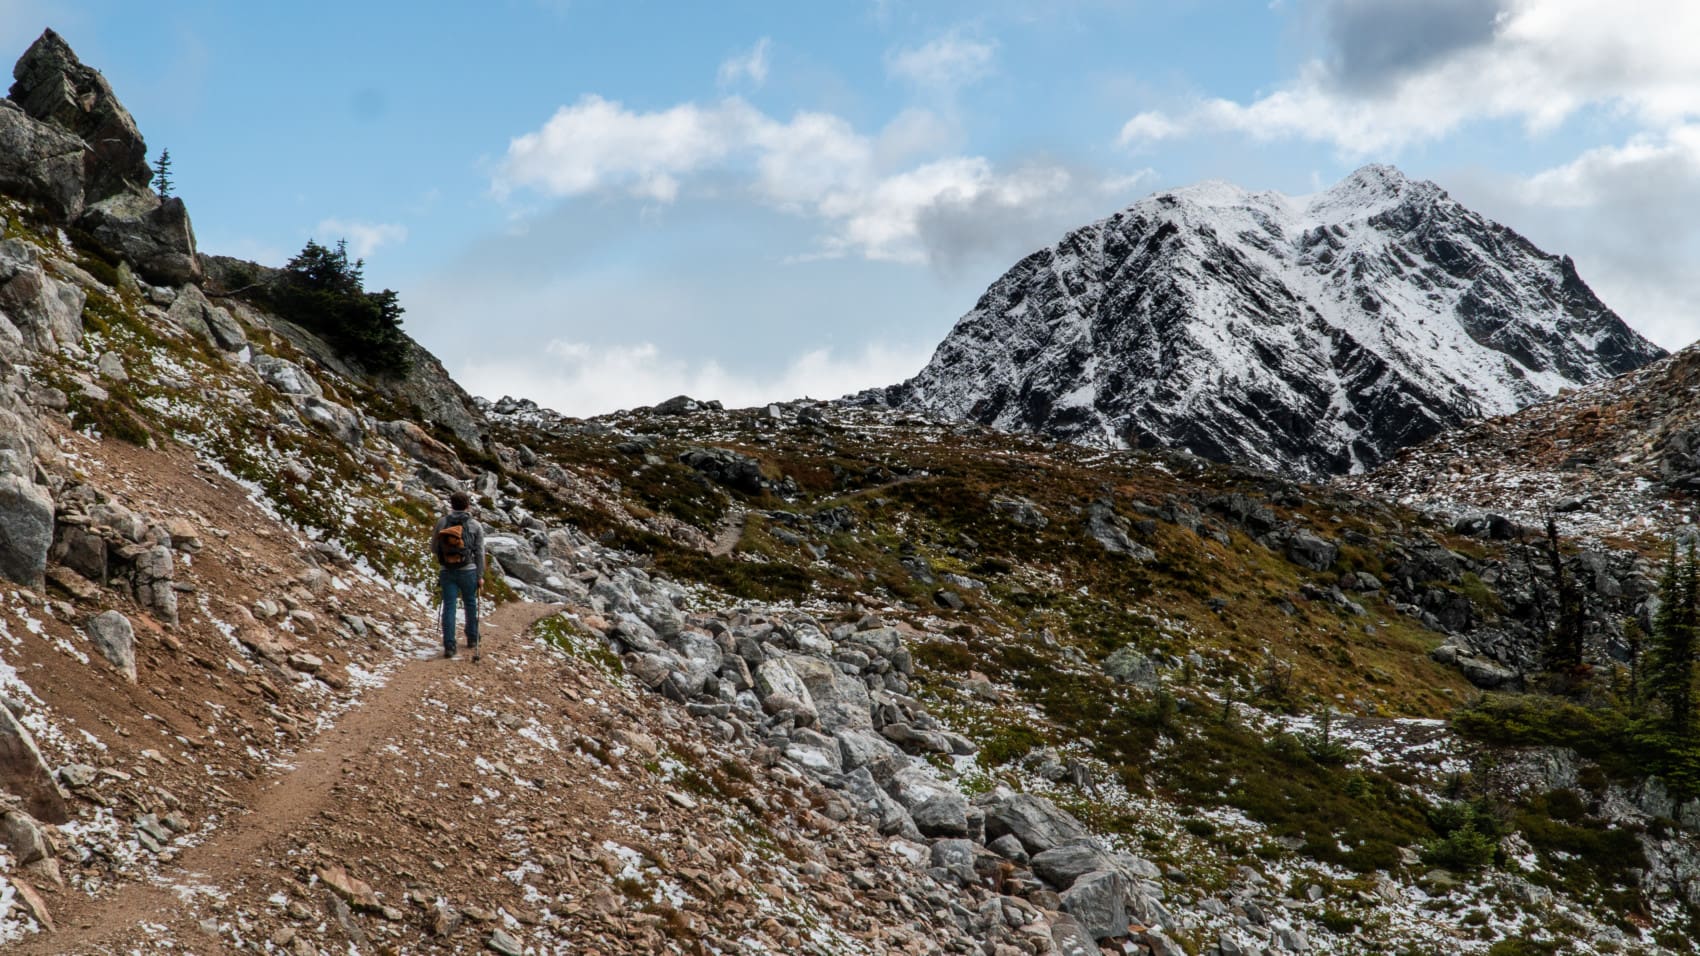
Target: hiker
(458,543)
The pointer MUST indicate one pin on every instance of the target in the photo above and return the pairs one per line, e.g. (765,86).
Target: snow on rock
(1311,335)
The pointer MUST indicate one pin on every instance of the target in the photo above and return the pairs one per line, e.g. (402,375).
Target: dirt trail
(279,808)
(729,534)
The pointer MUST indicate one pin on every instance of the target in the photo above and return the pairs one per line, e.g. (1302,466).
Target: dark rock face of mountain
(69,145)
(1311,335)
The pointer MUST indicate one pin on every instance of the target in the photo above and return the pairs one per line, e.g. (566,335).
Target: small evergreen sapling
(162,183)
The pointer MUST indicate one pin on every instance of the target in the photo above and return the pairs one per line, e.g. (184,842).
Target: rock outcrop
(67,143)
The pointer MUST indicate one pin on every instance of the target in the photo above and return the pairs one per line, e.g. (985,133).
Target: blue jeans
(460,585)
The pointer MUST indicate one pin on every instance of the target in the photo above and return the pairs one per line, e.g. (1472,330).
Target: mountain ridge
(1311,335)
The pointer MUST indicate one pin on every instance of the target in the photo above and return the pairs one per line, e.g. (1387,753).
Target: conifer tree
(162,174)
(1669,676)
(1565,650)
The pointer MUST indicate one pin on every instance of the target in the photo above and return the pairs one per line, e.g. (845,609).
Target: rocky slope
(1311,335)
(797,679)
(1617,459)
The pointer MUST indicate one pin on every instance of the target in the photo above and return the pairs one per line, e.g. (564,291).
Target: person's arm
(436,542)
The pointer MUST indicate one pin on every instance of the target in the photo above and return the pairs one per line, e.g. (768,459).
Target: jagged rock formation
(67,143)
(1308,335)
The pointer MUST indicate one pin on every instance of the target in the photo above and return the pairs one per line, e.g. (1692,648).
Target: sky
(599,204)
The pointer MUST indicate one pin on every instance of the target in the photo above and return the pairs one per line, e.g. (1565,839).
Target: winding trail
(280,808)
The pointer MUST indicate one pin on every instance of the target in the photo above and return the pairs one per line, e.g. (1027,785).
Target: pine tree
(1565,650)
(162,174)
(1669,675)
(325,292)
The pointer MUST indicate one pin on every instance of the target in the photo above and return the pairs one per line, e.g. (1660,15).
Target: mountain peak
(1310,335)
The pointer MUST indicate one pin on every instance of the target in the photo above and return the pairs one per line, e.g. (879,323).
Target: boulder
(416,444)
(40,163)
(341,422)
(47,313)
(1069,938)
(1110,530)
(1019,510)
(116,640)
(26,530)
(783,692)
(723,466)
(841,701)
(1037,822)
(23,837)
(863,747)
(53,86)
(25,775)
(887,815)
(1309,551)
(1129,666)
(1095,900)
(1061,866)
(944,815)
(194,313)
(281,374)
(701,658)
(156,238)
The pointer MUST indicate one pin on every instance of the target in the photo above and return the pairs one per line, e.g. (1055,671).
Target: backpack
(451,543)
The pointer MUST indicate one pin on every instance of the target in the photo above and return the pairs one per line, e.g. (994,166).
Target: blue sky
(600,204)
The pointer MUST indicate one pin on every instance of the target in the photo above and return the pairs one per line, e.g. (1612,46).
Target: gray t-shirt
(472,533)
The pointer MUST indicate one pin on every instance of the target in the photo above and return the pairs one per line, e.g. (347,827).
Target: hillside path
(279,807)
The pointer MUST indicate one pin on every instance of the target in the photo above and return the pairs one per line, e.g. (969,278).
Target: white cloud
(1537,62)
(751,66)
(583,380)
(814,164)
(945,64)
(364,238)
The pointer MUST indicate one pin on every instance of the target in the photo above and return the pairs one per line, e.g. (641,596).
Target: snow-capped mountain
(1308,335)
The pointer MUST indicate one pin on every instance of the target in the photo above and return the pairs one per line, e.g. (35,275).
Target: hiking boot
(448,653)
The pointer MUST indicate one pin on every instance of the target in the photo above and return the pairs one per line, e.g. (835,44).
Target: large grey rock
(277,373)
(342,424)
(1095,900)
(1308,550)
(1110,530)
(40,163)
(887,815)
(1129,666)
(816,752)
(25,775)
(518,559)
(1037,822)
(193,312)
(702,658)
(152,577)
(23,837)
(723,466)
(841,701)
(154,236)
(1060,866)
(945,815)
(913,784)
(53,86)
(783,692)
(26,530)
(1070,938)
(863,747)
(116,640)
(47,313)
